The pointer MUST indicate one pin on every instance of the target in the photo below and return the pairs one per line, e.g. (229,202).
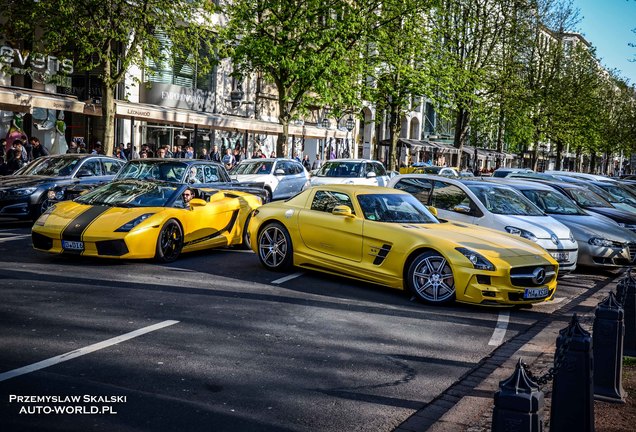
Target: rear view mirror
(433,210)
(342,210)
(197,202)
(279,172)
(464,209)
(370,174)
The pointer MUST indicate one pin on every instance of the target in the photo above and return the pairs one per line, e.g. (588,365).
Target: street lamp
(325,123)
(236,96)
(350,124)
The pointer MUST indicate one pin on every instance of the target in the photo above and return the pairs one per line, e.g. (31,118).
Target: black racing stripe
(384,251)
(226,228)
(76,228)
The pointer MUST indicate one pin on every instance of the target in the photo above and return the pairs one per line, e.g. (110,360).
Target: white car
(283,178)
(351,171)
(494,206)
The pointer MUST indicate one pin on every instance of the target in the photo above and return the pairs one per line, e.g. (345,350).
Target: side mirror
(197,202)
(371,174)
(342,210)
(464,209)
(279,172)
(433,210)
(84,173)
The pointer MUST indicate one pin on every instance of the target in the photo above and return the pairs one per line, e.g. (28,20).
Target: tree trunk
(592,162)
(500,129)
(395,131)
(462,121)
(283,138)
(559,151)
(108,108)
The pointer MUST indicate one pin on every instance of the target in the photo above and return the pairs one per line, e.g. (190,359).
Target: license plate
(73,245)
(560,256)
(533,293)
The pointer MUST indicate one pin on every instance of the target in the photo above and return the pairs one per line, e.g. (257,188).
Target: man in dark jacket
(37,149)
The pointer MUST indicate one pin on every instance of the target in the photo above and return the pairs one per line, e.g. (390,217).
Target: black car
(24,194)
(198,173)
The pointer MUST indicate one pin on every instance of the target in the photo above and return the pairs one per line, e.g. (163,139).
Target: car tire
(275,249)
(268,196)
(40,207)
(169,242)
(430,278)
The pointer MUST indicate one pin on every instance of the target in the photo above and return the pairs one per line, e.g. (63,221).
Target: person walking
(317,163)
(228,160)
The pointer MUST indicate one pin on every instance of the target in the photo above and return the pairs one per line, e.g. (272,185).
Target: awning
(415,145)
(159,114)
(485,153)
(17,99)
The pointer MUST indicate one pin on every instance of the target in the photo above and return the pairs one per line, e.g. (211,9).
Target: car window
(91,167)
(552,202)
(111,167)
(196,175)
(379,169)
(394,208)
(503,200)
(586,198)
(51,166)
(419,188)
(448,196)
(296,168)
(211,174)
(340,169)
(325,201)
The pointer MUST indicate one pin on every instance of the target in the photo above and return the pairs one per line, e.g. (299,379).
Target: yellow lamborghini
(386,236)
(145,219)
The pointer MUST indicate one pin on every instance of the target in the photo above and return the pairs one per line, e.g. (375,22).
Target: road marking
(286,278)
(500,329)
(83,351)
(15,237)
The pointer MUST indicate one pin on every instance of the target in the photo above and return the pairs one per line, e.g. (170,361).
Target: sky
(607,25)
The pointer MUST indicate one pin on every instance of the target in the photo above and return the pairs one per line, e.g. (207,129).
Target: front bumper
(600,256)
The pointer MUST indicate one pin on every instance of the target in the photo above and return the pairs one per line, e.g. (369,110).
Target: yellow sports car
(386,236)
(145,219)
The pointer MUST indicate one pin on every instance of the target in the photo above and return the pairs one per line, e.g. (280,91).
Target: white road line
(83,351)
(286,278)
(500,329)
(16,237)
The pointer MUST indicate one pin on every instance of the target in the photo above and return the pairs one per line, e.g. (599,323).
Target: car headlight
(478,261)
(521,232)
(133,223)
(598,241)
(572,237)
(44,216)
(21,192)
(628,226)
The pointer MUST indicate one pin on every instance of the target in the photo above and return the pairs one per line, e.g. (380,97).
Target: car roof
(453,180)
(184,161)
(357,189)
(520,183)
(351,160)
(260,160)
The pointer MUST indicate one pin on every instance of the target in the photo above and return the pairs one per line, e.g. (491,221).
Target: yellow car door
(210,224)
(337,237)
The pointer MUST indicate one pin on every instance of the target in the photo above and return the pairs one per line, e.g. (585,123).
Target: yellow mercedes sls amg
(388,237)
(145,219)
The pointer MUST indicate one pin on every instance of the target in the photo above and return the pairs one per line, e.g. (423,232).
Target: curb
(467,405)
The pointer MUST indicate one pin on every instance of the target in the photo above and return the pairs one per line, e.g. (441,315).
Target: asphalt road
(213,342)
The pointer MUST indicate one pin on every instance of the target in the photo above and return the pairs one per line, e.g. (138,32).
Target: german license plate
(533,293)
(72,245)
(560,256)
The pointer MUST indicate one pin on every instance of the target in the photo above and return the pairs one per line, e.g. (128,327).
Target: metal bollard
(518,404)
(607,338)
(626,293)
(573,387)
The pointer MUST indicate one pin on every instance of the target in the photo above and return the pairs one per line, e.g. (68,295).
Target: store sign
(172,96)
(42,68)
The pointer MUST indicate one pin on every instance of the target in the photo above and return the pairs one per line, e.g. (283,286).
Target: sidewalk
(468,404)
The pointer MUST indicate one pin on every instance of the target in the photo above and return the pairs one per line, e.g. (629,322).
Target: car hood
(257,178)
(110,218)
(615,214)
(541,226)
(584,227)
(27,181)
(488,242)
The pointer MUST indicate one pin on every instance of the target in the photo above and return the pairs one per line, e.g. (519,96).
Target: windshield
(505,201)
(170,171)
(341,169)
(552,202)
(620,194)
(253,168)
(54,166)
(586,198)
(394,208)
(130,194)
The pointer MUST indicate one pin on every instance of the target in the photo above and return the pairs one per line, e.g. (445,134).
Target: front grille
(111,247)
(531,276)
(41,241)
(632,251)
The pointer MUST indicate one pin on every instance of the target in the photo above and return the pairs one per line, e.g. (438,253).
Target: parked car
(611,191)
(505,172)
(435,170)
(351,171)
(135,219)
(602,242)
(194,172)
(281,178)
(386,236)
(24,194)
(592,202)
(494,206)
